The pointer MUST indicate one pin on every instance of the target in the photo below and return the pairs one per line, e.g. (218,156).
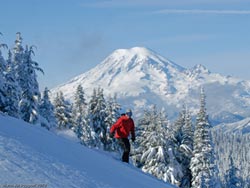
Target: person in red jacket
(121,129)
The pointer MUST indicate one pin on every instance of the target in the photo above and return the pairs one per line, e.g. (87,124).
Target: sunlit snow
(33,156)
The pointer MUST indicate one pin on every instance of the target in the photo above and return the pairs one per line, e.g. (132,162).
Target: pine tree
(97,116)
(79,111)
(203,168)
(232,177)
(30,97)
(13,89)
(82,127)
(112,111)
(96,142)
(235,145)
(87,135)
(178,127)
(184,143)
(3,94)
(188,134)
(80,101)
(155,144)
(155,154)
(46,110)
(25,69)
(18,56)
(63,112)
(186,149)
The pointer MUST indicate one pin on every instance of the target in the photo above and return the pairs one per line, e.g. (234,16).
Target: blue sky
(73,36)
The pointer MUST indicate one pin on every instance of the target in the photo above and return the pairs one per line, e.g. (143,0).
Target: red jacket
(123,127)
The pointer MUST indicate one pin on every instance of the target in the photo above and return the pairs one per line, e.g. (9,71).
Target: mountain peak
(198,70)
(138,55)
(131,72)
(134,51)
(141,77)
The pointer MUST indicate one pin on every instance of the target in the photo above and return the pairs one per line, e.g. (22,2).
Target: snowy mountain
(241,127)
(141,77)
(31,156)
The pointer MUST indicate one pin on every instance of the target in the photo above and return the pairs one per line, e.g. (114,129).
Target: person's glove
(111,135)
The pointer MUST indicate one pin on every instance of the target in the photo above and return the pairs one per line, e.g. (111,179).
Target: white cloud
(201,11)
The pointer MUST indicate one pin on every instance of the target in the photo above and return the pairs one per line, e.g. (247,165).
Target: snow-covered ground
(31,156)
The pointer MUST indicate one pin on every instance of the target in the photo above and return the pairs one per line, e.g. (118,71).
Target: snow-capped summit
(141,77)
(199,69)
(139,55)
(130,72)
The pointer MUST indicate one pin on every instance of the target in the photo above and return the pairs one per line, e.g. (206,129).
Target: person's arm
(133,131)
(115,126)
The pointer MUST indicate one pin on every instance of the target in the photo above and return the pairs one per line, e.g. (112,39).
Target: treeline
(233,157)
(180,153)
(91,120)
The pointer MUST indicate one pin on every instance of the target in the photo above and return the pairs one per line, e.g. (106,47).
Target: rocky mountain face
(141,77)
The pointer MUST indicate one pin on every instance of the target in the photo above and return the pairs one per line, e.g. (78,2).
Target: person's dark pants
(124,143)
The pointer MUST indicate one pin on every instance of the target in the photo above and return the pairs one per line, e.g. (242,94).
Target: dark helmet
(129,112)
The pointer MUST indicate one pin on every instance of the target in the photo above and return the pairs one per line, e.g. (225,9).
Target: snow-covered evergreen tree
(82,126)
(17,59)
(97,107)
(80,104)
(30,96)
(203,167)
(155,150)
(79,111)
(63,112)
(184,142)
(178,127)
(3,93)
(113,113)
(155,132)
(186,148)
(233,180)
(46,111)
(25,70)
(13,89)
(235,146)
(188,134)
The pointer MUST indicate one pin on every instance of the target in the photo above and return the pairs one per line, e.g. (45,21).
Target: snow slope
(140,77)
(32,156)
(242,127)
